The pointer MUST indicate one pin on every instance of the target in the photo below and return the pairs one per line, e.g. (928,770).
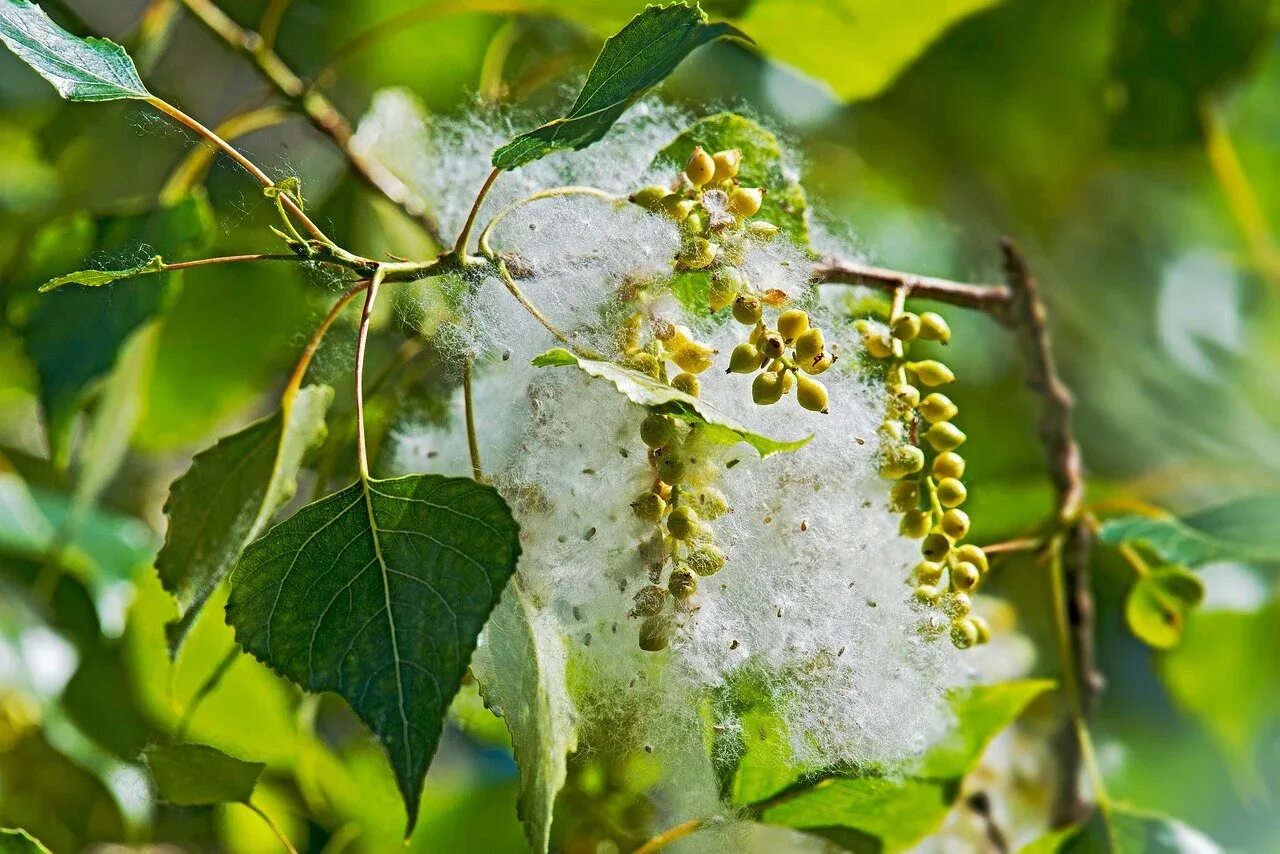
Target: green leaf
(1119,829)
(522,678)
(897,812)
(1241,530)
(982,712)
(229,496)
(378,592)
(74,336)
(762,165)
(660,397)
(631,63)
(196,775)
(1157,605)
(98,278)
(80,69)
(19,842)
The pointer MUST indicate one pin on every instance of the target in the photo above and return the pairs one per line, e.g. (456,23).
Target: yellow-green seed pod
(761,230)
(983,627)
(905,327)
(938,407)
(695,357)
(818,365)
(727,164)
(955,523)
(710,503)
(771,345)
(657,430)
(914,524)
(745,201)
(964,576)
(747,309)
(948,464)
(767,388)
(958,604)
(964,633)
(877,345)
(927,593)
(974,555)
(698,253)
(745,359)
(649,197)
(901,461)
(934,328)
(935,546)
(676,206)
(894,430)
(682,583)
(705,559)
(649,507)
(809,344)
(931,372)
(693,224)
(906,395)
(655,633)
(687,383)
(726,284)
(927,572)
(945,436)
(951,492)
(645,363)
(671,469)
(649,601)
(904,495)
(811,394)
(793,323)
(788,382)
(682,522)
(699,167)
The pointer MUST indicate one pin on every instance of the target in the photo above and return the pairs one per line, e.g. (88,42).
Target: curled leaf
(98,278)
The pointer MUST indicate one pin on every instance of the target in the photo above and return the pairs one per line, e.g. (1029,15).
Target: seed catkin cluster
(920,442)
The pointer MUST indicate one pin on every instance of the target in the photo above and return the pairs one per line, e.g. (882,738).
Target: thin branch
(362,338)
(473,440)
(304,361)
(460,245)
(672,834)
(272,18)
(195,166)
(226,259)
(284,840)
(321,112)
(993,299)
(207,687)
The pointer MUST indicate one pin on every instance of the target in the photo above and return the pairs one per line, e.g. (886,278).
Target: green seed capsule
(958,604)
(948,464)
(649,507)
(676,206)
(727,164)
(927,572)
(649,601)
(657,430)
(745,359)
(974,555)
(964,576)
(945,436)
(747,309)
(683,522)
(964,633)
(905,327)
(761,230)
(706,559)
(955,523)
(935,546)
(809,344)
(934,328)
(983,627)
(927,593)
(811,394)
(726,284)
(818,365)
(745,201)
(771,345)
(767,388)
(655,633)
(698,253)
(693,224)
(876,345)
(907,395)
(671,469)
(682,583)
(793,323)
(699,167)
(951,492)
(649,197)
(710,503)
(938,407)
(914,524)
(904,495)
(694,357)
(931,372)
(902,461)
(686,383)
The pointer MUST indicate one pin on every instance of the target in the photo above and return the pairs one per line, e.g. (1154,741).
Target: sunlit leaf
(1118,829)
(522,678)
(378,592)
(1241,530)
(19,842)
(194,775)
(80,69)
(229,496)
(631,63)
(660,397)
(1157,605)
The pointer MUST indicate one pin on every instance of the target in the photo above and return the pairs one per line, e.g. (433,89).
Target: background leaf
(1157,606)
(660,397)
(98,278)
(639,57)
(1241,530)
(229,496)
(378,592)
(194,775)
(1120,829)
(80,69)
(19,842)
